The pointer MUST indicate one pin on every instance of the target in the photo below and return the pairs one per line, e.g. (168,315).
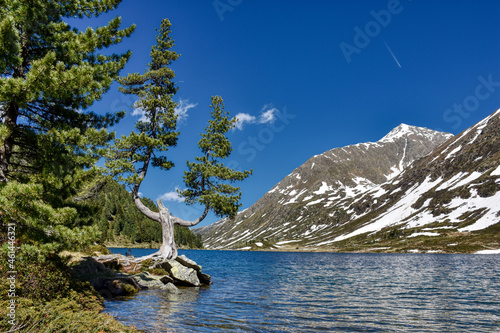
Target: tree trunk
(168,247)
(6,148)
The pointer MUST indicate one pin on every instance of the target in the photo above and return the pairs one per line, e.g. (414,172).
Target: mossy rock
(158,271)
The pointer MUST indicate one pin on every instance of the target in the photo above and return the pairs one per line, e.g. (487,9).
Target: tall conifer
(207,179)
(50,74)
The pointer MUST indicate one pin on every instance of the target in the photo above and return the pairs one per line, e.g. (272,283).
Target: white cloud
(182,109)
(140,113)
(172,196)
(267,115)
(242,119)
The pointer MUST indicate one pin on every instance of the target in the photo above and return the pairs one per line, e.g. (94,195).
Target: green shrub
(74,313)
(92,250)
(129,289)
(49,299)
(37,278)
(146,264)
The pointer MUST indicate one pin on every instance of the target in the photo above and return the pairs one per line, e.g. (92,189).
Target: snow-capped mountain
(413,190)
(320,195)
(450,194)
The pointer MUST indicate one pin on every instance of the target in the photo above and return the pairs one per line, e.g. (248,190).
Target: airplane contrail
(392,53)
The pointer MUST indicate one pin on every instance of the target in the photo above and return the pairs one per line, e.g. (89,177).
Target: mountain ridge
(413,190)
(347,171)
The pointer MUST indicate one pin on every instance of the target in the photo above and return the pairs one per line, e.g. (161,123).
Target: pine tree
(206,179)
(50,74)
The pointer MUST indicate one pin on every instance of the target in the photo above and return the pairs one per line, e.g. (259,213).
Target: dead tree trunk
(168,249)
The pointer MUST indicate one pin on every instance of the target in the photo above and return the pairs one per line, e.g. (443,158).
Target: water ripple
(314,292)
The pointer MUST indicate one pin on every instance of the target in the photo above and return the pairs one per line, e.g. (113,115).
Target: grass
(48,298)
(69,314)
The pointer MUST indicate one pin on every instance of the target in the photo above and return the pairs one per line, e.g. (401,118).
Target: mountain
(319,196)
(448,201)
(413,190)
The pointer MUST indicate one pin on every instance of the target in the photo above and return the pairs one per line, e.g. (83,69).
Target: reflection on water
(311,292)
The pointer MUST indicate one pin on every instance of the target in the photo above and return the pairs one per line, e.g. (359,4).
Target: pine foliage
(133,154)
(50,74)
(208,180)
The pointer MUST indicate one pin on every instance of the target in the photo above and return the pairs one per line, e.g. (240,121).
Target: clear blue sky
(309,76)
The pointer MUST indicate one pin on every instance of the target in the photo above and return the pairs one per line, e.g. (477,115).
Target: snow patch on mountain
(323,189)
(400,211)
(470,178)
(399,132)
(496,172)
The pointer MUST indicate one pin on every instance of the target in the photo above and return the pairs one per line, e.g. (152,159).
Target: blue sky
(309,76)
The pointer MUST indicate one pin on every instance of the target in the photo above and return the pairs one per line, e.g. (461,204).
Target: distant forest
(119,221)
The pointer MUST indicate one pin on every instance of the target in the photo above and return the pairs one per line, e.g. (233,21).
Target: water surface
(329,292)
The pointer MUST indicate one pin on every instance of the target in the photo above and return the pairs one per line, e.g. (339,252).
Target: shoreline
(317,250)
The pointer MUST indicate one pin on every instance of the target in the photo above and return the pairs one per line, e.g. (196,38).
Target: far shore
(304,249)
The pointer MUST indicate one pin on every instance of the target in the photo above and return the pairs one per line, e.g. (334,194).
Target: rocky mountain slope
(413,190)
(447,201)
(320,189)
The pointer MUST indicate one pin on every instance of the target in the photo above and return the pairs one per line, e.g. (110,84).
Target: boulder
(185,261)
(204,278)
(171,288)
(180,272)
(182,275)
(167,279)
(148,281)
(116,286)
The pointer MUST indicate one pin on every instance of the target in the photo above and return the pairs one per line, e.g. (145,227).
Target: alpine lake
(257,291)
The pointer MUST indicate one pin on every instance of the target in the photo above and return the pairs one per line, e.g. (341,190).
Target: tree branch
(135,193)
(184,223)
(142,208)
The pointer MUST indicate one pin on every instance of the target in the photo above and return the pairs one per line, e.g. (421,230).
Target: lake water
(325,292)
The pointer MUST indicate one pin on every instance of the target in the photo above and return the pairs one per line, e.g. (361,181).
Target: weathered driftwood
(168,249)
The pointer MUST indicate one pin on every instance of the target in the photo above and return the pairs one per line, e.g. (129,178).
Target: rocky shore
(115,275)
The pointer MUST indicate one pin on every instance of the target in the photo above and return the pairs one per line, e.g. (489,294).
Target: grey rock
(149,281)
(182,275)
(166,279)
(111,287)
(171,288)
(204,278)
(188,262)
